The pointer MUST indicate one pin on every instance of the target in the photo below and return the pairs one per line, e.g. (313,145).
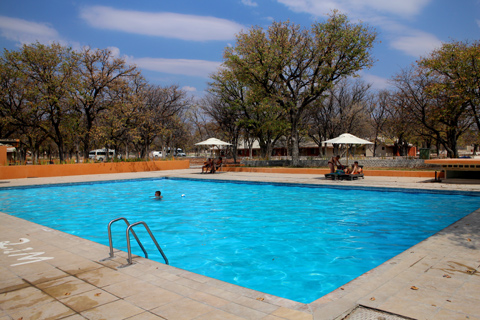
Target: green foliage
(288,68)
(81,101)
(456,66)
(438,114)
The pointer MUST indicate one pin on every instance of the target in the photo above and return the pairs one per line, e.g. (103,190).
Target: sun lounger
(352,176)
(344,176)
(333,176)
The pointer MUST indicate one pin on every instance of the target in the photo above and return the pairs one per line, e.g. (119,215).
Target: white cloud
(380,13)
(249,3)
(26,32)
(404,8)
(416,43)
(412,42)
(196,68)
(358,8)
(161,24)
(316,8)
(115,51)
(189,89)
(377,82)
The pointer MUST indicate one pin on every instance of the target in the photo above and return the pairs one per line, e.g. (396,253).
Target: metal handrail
(151,236)
(110,237)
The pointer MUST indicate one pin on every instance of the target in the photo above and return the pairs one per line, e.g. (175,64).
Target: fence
(367,162)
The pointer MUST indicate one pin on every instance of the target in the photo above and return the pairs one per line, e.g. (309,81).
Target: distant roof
(11,142)
(306,143)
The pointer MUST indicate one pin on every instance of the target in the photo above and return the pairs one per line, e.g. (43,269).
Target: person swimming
(158,195)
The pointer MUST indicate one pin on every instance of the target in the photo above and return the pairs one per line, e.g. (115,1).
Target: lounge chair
(345,176)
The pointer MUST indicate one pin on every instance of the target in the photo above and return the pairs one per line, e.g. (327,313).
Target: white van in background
(156,154)
(101,154)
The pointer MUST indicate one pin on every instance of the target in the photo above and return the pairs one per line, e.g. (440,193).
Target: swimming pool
(297,242)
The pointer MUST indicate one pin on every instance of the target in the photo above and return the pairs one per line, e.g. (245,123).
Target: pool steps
(130,228)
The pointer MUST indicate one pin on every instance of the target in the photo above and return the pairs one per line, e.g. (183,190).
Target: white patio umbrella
(347,139)
(214,142)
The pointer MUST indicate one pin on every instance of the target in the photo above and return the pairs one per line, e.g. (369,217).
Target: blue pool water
(295,242)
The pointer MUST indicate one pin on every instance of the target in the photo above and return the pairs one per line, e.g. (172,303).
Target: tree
(223,104)
(458,64)
(379,107)
(341,109)
(99,72)
(226,118)
(160,105)
(400,125)
(293,67)
(118,124)
(437,114)
(257,116)
(199,122)
(20,114)
(49,74)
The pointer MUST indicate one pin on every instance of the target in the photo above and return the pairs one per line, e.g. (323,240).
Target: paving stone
(103,277)
(184,309)
(209,299)
(118,310)
(50,311)
(153,298)
(64,287)
(290,314)
(23,298)
(242,311)
(12,284)
(46,276)
(88,300)
(129,287)
(146,316)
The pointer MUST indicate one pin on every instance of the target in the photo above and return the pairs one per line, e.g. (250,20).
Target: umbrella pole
(347,155)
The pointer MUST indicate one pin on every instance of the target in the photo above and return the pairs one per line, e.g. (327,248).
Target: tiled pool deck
(437,279)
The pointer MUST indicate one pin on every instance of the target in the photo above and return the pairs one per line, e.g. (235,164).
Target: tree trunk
(295,145)
(269,151)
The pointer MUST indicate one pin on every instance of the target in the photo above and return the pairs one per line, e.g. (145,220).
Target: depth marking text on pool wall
(30,257)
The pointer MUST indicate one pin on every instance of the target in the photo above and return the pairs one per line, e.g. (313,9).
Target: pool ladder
(130,228)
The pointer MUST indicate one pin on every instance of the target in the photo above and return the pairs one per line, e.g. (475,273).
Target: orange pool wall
(57,170)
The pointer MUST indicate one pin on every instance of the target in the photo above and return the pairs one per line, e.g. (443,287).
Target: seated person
(334,161)
(355,168)
(218,164)
(207,165)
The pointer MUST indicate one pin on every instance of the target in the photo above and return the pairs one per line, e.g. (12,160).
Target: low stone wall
(368,163)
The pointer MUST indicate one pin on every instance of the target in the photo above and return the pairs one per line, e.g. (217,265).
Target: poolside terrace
(436,279)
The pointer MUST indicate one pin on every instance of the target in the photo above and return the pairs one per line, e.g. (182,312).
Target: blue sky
(181,42)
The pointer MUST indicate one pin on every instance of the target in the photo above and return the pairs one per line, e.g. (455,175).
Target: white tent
(347,139)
